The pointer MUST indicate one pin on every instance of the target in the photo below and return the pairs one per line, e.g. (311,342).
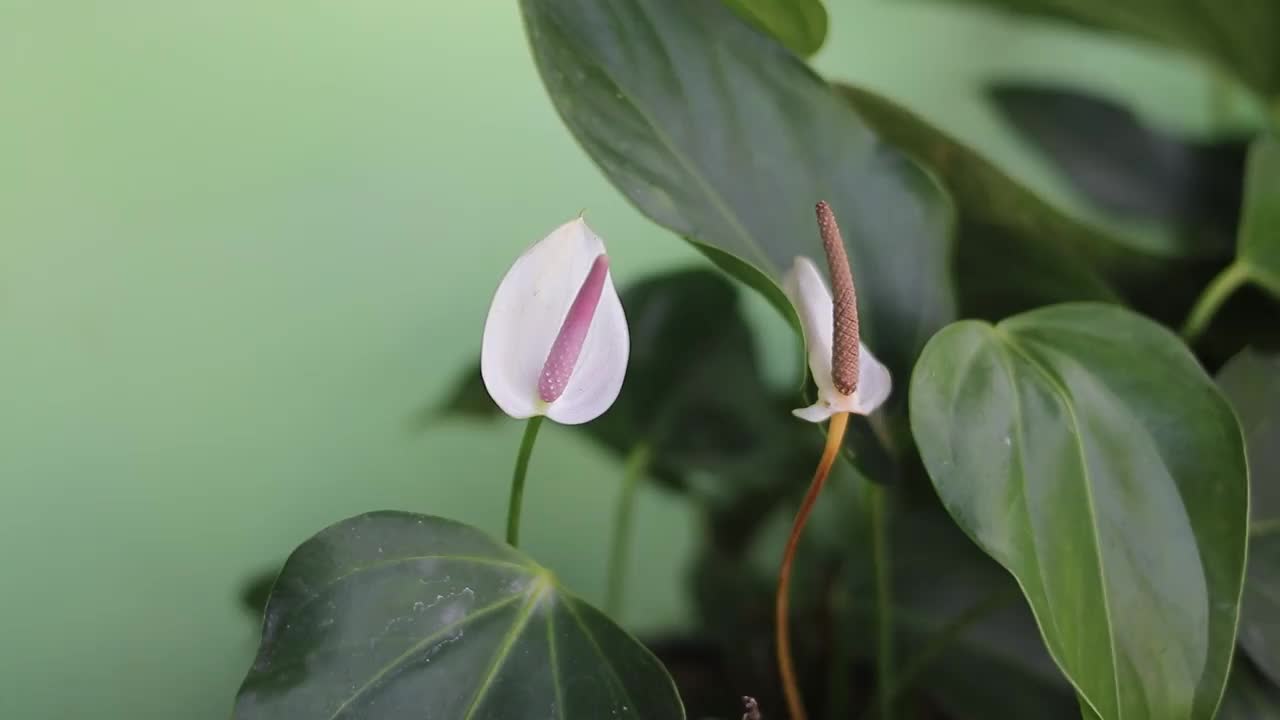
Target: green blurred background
(243,244)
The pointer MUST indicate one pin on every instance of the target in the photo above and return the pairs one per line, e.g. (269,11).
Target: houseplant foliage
(1069,505)
(365,616)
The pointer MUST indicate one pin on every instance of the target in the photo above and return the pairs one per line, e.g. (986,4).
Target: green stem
(623,514)
(884,599)
(517,480)
(1212,298)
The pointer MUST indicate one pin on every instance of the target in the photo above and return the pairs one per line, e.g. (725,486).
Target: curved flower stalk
(849,380)
(555,341)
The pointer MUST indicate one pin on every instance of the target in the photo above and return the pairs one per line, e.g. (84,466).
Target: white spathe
(808,292)
(528,311)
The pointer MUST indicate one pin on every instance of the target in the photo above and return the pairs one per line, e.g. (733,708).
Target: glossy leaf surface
(394,615)
(1251,381)
(717,132)
(1083,447)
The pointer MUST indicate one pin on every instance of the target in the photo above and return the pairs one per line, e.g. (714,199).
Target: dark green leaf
(1083,448)
(801,25)
(394,615)
(1016,252)
(1251,381)
(963,630)
(1130,169)
(1237,35)
(1249,695)
(1260,227)
(718,133)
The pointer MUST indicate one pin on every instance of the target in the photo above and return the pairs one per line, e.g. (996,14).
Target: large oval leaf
(1252,382)
(717,132)
(1083,448)
(393,615)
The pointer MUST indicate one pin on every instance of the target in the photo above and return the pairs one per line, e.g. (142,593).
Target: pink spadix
(573,333)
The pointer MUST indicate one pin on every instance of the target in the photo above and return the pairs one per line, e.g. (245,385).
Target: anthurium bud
(555,341)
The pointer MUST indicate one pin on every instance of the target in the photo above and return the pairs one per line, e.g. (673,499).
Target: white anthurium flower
(555,342)
(805,288)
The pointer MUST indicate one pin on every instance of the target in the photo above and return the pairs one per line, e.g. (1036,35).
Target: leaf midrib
(1007,339)
(417,647)
(535,595)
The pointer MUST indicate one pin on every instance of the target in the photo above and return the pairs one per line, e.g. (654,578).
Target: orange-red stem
(786,666)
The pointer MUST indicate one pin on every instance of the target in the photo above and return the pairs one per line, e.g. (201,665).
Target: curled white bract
(558,288)
(808,292)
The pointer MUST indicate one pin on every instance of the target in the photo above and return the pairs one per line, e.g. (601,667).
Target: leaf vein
(417,647)
(536,592)
(591,638)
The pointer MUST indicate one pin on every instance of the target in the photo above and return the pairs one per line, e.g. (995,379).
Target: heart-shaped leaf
(1132,169)
(1259,250)
(394,615)
(1083,448)
(801,25)
(717,132)
(1251,381)
(1237,35)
